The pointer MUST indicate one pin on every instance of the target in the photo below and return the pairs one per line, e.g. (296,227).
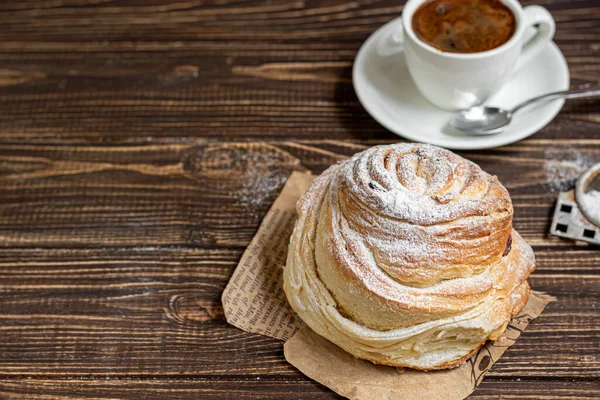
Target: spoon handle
(565,94)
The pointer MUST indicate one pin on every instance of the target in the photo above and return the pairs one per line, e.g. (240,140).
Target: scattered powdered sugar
(250,173)
(261,169)
(592,203)
(563,166)
(257,189)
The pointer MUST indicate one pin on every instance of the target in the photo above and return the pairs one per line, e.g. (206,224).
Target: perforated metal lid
(573,217)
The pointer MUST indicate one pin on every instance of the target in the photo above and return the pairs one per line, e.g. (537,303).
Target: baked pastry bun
(405,255)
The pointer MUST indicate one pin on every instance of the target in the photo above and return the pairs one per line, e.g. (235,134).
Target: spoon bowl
(485,120)
(481,120)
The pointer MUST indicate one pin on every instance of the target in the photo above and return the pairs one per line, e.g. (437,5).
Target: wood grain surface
(141,143)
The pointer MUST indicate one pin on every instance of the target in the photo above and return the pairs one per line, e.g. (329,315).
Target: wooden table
(142,142)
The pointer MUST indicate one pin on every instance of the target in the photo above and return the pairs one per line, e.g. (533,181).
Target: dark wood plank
(167,196)
(135,389)
(125,71)
(214,195)
(157,313)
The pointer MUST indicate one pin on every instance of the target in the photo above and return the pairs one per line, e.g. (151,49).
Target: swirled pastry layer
(405,255)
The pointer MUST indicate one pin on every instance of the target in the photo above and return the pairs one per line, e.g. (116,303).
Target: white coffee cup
(456,81)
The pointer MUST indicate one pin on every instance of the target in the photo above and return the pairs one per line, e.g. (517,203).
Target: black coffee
(464,26)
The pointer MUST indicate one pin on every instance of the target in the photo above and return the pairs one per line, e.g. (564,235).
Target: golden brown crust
(399,257)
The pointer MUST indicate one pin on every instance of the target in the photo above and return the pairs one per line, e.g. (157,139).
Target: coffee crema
(464,26)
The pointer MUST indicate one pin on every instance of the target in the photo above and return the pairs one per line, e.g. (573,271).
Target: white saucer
(386,90)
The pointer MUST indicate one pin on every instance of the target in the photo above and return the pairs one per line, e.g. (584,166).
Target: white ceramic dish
(386,90)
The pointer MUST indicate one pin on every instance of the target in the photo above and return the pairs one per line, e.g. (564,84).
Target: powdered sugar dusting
(563,166)
(390,205)
(260,174)
(257,189)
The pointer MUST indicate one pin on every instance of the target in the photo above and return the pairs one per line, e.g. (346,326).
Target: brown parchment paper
(357,379)
(255,302)
(254,299)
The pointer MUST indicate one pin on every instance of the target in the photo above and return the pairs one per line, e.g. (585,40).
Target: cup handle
(540,18)
(392,42)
